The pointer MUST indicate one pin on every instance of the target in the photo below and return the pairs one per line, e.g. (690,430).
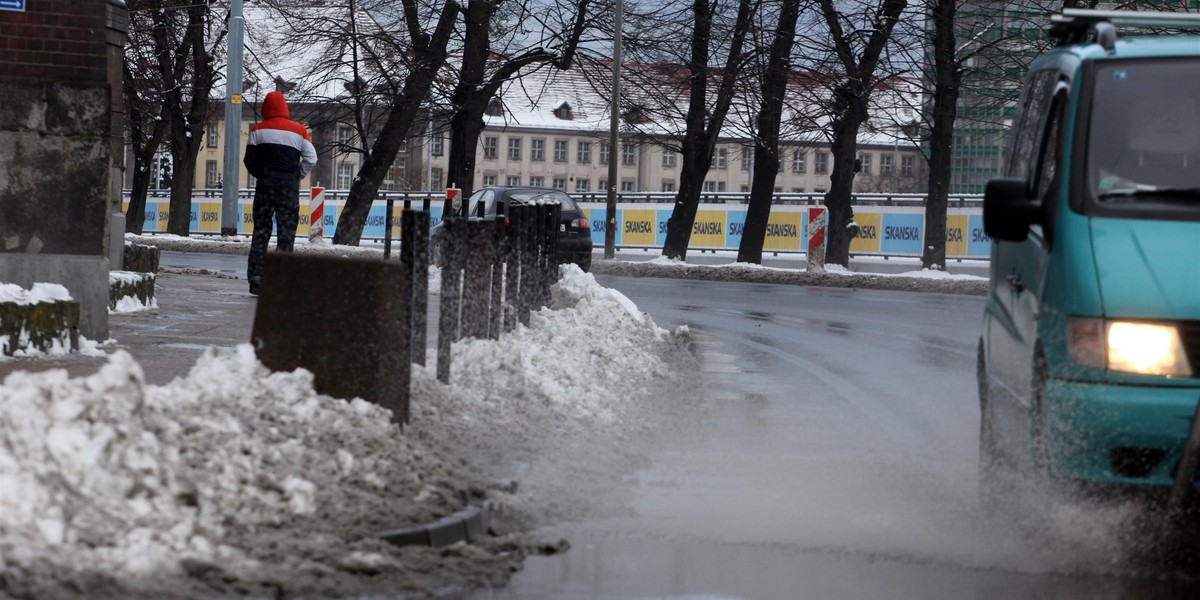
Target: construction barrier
(883,230)
(315,219)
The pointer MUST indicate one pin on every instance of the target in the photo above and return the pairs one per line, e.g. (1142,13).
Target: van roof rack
(1076,25)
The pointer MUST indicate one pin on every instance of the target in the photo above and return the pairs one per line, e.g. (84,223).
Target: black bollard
(414,254)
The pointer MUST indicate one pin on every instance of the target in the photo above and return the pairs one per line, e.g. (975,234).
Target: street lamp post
(230,177)
(610,218)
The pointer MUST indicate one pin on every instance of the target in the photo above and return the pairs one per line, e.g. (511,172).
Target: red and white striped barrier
(817,219)
(316,215)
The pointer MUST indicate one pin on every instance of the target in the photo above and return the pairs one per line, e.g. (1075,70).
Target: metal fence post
(448,324)
(414,254)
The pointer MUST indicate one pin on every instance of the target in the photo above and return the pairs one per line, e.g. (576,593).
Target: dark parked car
(574,233)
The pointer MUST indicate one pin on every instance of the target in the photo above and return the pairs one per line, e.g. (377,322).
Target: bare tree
(429,52)
(857,52)
(705,115)
(196,38)
(483,73)
(143,88)
(774,86)
(169,76)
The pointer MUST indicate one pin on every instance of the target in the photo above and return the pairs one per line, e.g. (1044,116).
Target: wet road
(836,459)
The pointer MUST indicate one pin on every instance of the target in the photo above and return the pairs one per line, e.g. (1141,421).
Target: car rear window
(534,196)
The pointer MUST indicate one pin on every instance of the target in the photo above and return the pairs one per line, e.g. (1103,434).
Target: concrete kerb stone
(467,525)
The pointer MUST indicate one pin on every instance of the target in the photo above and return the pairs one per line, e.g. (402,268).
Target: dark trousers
(278,202)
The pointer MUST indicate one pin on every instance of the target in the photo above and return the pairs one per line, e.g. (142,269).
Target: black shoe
(254,289)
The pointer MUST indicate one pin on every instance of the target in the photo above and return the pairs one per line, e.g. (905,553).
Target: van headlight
(1128,346)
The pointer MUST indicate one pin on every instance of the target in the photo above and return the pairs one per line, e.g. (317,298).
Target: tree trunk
(466,126)
(947,82)
(183,169)
(766,142)
(844,149)
(135,215)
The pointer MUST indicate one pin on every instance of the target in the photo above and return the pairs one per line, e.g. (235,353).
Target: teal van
(1089,358)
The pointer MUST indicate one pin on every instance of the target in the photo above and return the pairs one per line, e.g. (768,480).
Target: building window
(403,145)
(583,153)
(745,189)
(906,166)
(397,175)
(885,164)
(583,185)
(720,186)
(537,181)
(489,180)
(514,148)
(512,180)
(668,159)
(866,163)
(799,161)
(537,149)
(628,154)
(210,136)
(747,159)
(710,186)
(345,135)
(437,144)
(821,163)
(210,174)
(602,186)
(604,153)
(668,186)
(626,185)
(560,150)
(797,190)
(491,146)
(720,159)
(435,179)
(560,183)
(345,171)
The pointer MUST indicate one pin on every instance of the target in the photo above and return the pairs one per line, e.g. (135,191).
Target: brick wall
(63,40)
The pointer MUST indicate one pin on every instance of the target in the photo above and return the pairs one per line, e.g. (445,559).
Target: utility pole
(614,151)
(233,122)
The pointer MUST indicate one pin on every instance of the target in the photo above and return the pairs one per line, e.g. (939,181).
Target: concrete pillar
(61,147)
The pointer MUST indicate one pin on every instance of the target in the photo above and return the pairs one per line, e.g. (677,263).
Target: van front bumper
(1109,433)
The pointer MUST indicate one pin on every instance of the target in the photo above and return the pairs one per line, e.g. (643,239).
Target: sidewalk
(194,312)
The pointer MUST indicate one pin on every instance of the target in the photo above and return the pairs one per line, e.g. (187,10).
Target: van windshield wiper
(1172,194)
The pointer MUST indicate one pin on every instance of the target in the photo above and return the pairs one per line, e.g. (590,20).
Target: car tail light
(581,223)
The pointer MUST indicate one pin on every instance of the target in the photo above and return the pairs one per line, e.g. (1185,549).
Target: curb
(467,525)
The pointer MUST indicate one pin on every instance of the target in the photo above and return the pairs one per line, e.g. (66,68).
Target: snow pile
(586,355)
(39,293)
(238,478)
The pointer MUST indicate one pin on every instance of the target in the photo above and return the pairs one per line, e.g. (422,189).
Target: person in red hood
(279,154)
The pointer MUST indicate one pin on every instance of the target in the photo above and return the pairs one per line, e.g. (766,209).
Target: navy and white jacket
(279,150)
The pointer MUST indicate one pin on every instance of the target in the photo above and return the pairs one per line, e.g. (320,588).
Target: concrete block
(340,318)
(446,531)
(140,258)
(42,326)
(123,284)
(85,277)
(409,536)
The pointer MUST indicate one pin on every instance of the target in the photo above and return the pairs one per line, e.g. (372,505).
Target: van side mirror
(1008,211)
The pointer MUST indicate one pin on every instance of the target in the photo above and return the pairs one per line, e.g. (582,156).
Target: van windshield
(1144,137)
